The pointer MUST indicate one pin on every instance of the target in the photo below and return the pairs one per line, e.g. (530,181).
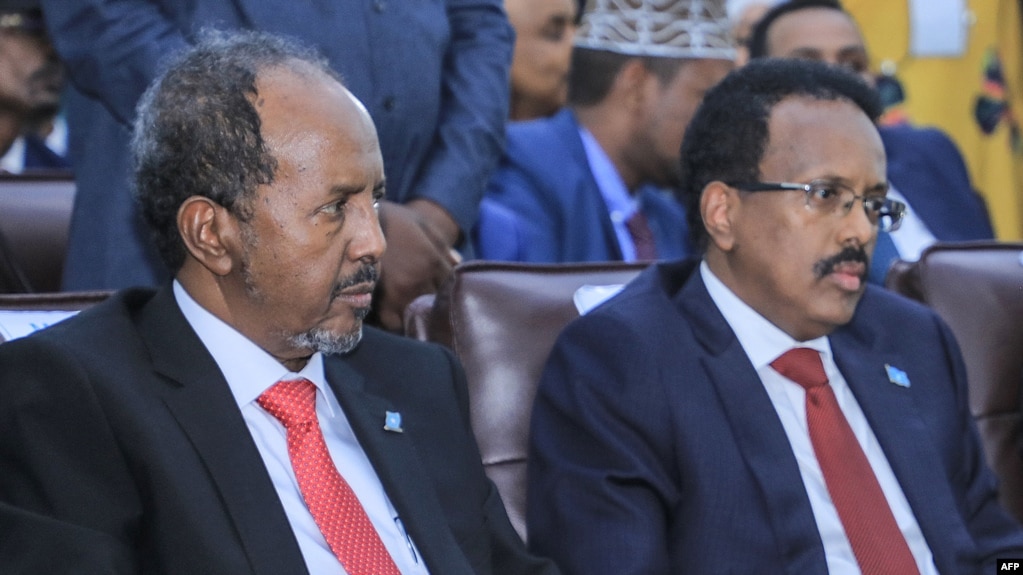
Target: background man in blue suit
(584,184)
(669,435)
(925,169)
(433,74)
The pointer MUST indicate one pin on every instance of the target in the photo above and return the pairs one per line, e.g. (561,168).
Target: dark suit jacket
(122,451)
(543,203)
(655,448)
(432,73)
(925,167)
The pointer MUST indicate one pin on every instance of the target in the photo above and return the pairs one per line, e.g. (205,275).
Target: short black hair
(197,132)
(758,36)
(593,72)
(728,135)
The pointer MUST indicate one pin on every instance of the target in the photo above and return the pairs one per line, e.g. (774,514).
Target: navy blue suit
(543,203)
(40,158)
(432,73)
(655,448)
(926,167)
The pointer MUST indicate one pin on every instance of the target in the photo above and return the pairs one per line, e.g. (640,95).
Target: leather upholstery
(504,318)
(35,212)
(977,288)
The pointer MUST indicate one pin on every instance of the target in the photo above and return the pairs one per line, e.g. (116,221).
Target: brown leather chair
(35,213)
(977,288)
(501,320)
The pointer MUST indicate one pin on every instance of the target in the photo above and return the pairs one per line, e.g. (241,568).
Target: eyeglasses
(825,197)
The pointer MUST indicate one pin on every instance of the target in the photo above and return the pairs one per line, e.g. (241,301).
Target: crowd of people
(270,183)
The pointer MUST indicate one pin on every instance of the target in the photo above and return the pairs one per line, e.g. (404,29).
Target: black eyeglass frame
(889,213)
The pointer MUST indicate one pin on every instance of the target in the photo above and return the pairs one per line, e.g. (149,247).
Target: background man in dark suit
(150,434)
(669,435)
(433,75)
(925,169)
(31,79)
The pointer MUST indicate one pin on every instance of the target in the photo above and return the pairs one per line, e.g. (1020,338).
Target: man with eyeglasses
(925,169)
(764,409)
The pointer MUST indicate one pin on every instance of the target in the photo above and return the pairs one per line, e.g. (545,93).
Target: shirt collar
(762,340)
(248,368)
(621,205)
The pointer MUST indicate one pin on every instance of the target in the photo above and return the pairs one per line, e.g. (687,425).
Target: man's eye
(825,193)
(335,208)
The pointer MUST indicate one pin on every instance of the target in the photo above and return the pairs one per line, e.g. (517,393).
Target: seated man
(240,419)
(584,184)
(925,169)
(764,409)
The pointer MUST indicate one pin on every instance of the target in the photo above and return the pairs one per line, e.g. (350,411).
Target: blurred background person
(925,169)
(543,50)
(743,14)
(588,184)
(31,80)
(433,75)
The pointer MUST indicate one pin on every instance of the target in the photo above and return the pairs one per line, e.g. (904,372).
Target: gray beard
(327,342)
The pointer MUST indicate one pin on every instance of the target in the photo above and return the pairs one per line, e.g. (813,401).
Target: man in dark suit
(764,409)
(240,419)
(925,169)
(588,184)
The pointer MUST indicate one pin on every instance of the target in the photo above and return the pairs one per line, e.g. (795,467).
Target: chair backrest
(21,314)
(977,288)
(35,214)
(503,320)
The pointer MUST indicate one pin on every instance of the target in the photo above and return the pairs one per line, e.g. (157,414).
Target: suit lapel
(758,432)
(201,402)
(397,464)
(588,189)
(909,447)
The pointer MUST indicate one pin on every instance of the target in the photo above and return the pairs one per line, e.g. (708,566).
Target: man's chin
(328,342)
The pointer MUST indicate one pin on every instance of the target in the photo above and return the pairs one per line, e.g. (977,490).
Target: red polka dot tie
(878,544)
(330,499)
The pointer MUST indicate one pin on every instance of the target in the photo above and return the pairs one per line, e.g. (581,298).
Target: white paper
(15,324)
(588,297)
(937,28)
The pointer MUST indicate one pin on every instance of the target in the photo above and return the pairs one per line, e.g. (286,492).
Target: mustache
(848,254)
(367,273)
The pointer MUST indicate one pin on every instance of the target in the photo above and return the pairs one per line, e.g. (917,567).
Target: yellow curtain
(944,92)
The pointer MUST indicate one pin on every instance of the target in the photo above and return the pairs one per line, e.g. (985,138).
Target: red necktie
(878,544)
(330,499)
(642,237)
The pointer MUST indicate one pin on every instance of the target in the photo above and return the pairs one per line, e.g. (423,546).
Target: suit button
(389,103)
(379,5)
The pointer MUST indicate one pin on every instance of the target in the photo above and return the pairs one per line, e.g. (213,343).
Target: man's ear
(633,84)
(718,204)
(211,234)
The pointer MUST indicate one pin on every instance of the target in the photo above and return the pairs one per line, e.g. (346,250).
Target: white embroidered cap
(665,28)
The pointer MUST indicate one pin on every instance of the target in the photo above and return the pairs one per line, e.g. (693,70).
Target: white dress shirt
(249,371)
(763,342)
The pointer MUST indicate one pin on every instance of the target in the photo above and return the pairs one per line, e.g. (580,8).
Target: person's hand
(418,260)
